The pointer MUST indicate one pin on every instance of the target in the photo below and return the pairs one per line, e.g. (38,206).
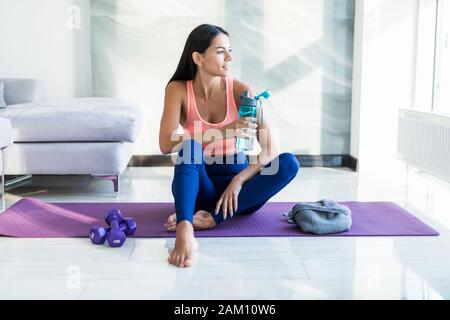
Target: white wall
(49,40)
(309,72)
(384,78)
(390,51)
(299,49)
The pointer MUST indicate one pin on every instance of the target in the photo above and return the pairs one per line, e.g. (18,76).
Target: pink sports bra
(193,118)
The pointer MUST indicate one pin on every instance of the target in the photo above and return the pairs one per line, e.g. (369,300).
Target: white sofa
(80,136)
(5,141)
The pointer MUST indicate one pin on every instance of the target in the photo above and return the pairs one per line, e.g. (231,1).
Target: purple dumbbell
(128,225)
(115,237)
(98,234)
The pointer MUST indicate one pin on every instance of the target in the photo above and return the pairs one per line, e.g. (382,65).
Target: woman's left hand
(229,199)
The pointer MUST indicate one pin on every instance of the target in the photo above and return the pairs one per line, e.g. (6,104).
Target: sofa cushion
(79,119)
(5,133)
(20,90)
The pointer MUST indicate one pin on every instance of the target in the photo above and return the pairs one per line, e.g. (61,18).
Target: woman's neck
(206,86)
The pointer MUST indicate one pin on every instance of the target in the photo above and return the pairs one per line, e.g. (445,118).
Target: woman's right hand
(245,128)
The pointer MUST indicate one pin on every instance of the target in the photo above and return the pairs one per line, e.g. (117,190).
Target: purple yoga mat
(32,218)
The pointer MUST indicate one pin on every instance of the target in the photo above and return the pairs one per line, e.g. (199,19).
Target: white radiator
(424,142)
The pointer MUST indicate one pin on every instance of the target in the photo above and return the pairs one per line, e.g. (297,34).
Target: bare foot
(185,246)
(203,220)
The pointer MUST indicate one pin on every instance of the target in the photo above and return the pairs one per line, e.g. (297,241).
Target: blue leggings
(198,185)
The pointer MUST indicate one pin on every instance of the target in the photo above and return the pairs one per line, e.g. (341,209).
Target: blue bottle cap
(266,94)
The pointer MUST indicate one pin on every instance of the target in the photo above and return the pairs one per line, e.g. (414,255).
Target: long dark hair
(198,41)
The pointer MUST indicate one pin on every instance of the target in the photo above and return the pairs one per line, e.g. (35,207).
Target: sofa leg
(2,176)
(116,181)
(114,178)
(2,185)
(2,191)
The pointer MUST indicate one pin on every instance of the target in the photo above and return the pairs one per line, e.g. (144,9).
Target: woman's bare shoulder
(177,86)
(239,87)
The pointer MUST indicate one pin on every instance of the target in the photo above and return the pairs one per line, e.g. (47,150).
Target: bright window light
(441,97)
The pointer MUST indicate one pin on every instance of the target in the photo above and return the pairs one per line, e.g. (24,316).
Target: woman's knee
(288,165)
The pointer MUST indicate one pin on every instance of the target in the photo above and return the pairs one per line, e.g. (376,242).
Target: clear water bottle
(251,107)
(247,108)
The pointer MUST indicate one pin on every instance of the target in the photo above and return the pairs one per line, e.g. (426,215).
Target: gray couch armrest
(23,90)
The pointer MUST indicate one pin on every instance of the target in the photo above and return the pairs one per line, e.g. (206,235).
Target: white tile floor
(237,268)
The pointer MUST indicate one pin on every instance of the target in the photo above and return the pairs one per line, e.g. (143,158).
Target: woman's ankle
(185,224)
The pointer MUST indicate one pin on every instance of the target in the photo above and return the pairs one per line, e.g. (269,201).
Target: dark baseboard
(329,161)
(350,162)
